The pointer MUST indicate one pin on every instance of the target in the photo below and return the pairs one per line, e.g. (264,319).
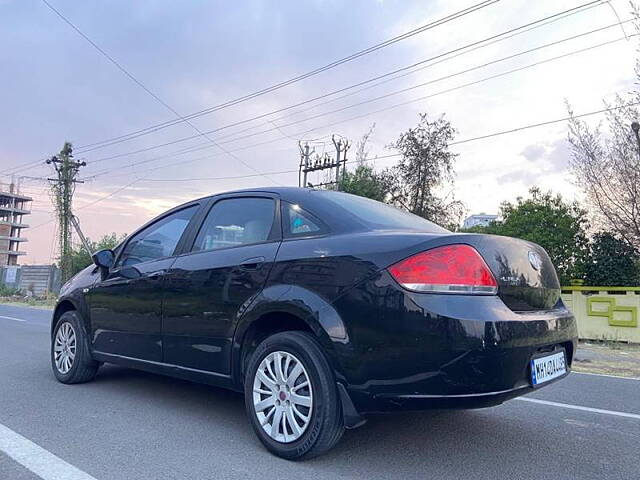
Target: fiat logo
(535,260)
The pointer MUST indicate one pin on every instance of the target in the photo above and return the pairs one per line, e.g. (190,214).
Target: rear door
(125,306)
(209,286)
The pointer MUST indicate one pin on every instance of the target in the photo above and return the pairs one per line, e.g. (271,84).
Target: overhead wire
(316,71)
(183,139)
(394,106)
(459,142)
(441,56)
(147,90)
(510,33)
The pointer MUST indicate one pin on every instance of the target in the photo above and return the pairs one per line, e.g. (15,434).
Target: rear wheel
(291,396)
(70,356)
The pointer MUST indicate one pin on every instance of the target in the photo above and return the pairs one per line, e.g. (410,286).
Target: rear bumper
(421,351)
(468,401)
(409,402)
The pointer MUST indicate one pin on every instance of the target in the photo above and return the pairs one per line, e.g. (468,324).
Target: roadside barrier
(605,313)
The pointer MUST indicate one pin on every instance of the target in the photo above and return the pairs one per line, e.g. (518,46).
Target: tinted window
(158,240)
(236,221)
(379,215)
(297,222)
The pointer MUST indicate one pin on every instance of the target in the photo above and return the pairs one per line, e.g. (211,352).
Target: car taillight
(447,269)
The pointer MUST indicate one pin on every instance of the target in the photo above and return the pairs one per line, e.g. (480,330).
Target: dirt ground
(608,358)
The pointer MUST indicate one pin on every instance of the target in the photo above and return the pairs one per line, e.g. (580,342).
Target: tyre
(70,355)
(291,396)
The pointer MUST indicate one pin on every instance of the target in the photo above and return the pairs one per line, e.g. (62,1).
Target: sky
(55,87)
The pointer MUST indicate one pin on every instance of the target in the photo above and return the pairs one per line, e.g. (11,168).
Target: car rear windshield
(378,215)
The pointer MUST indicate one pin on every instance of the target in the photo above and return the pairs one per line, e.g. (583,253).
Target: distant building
(13,208)
(480,219)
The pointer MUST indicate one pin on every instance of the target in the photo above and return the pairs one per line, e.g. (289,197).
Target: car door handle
(157,275)
(253,263)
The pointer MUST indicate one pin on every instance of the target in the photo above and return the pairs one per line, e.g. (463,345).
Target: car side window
(298,223)
(158,240)
(236,221)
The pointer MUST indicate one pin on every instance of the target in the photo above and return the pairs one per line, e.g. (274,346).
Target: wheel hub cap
(64,348)
(282,396)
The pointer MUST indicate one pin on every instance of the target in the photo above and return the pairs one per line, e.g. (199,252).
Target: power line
(22,167)
(393,155)
(446,56)
(420,85)
(531,26)
(439,56)
(459,142)
(141,85)
(277,86)
(422,98)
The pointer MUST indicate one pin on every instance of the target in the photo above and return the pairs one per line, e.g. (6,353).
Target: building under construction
(13,208)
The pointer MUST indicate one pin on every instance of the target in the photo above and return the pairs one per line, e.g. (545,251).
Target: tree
(559,227)
(364,180)
(607,167)
(80,258)
(425,167)
(612,262)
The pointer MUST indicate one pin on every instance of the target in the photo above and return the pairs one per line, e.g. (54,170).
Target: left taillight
(446,269)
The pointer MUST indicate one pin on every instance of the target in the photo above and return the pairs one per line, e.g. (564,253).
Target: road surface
(133,425)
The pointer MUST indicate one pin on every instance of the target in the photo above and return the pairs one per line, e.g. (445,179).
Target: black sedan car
(322,307)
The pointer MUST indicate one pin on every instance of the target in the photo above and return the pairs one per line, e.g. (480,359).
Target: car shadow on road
(403,443)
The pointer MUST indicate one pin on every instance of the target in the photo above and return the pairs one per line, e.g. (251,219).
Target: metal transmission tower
(62,189)
(312,162)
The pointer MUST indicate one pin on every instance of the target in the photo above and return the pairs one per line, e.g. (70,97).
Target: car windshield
(378,215)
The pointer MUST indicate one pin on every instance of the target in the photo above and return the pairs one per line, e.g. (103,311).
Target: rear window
(378,215)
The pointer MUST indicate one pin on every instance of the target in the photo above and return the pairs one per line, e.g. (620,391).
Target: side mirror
(104,259)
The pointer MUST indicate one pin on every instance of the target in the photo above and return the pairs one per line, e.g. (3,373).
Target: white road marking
(637,379)
(40,461)
(13,318)
(578,407)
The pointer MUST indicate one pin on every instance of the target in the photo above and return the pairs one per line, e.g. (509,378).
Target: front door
(207,289)
(126,306)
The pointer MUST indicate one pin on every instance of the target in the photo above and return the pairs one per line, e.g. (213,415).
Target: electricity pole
(62,189)
(323,163)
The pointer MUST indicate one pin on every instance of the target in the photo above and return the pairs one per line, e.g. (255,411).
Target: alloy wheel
(64,349)
(282,396)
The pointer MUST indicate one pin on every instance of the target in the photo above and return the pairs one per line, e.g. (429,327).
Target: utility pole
(62,189)
(305,161)
(322,163)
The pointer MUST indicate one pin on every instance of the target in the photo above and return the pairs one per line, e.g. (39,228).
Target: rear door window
(234,222)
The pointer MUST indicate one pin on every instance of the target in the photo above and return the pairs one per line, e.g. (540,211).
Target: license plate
(544,369)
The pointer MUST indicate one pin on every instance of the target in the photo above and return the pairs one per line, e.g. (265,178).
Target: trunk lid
(527,279)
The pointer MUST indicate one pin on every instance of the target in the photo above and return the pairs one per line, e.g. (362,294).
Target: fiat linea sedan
(322,307)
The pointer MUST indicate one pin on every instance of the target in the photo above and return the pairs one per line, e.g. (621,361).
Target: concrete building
(13,208)
(480,219)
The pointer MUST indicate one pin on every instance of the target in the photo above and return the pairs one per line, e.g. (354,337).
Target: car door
(125,306)
(219,276)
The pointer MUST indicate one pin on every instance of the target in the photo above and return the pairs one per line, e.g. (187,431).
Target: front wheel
(70,356)
(291,396)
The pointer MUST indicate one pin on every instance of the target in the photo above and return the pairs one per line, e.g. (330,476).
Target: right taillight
(447,269)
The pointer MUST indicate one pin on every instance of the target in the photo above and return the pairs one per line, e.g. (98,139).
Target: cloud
(542,159)
(533,152)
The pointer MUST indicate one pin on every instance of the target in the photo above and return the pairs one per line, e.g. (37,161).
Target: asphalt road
(133,425)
